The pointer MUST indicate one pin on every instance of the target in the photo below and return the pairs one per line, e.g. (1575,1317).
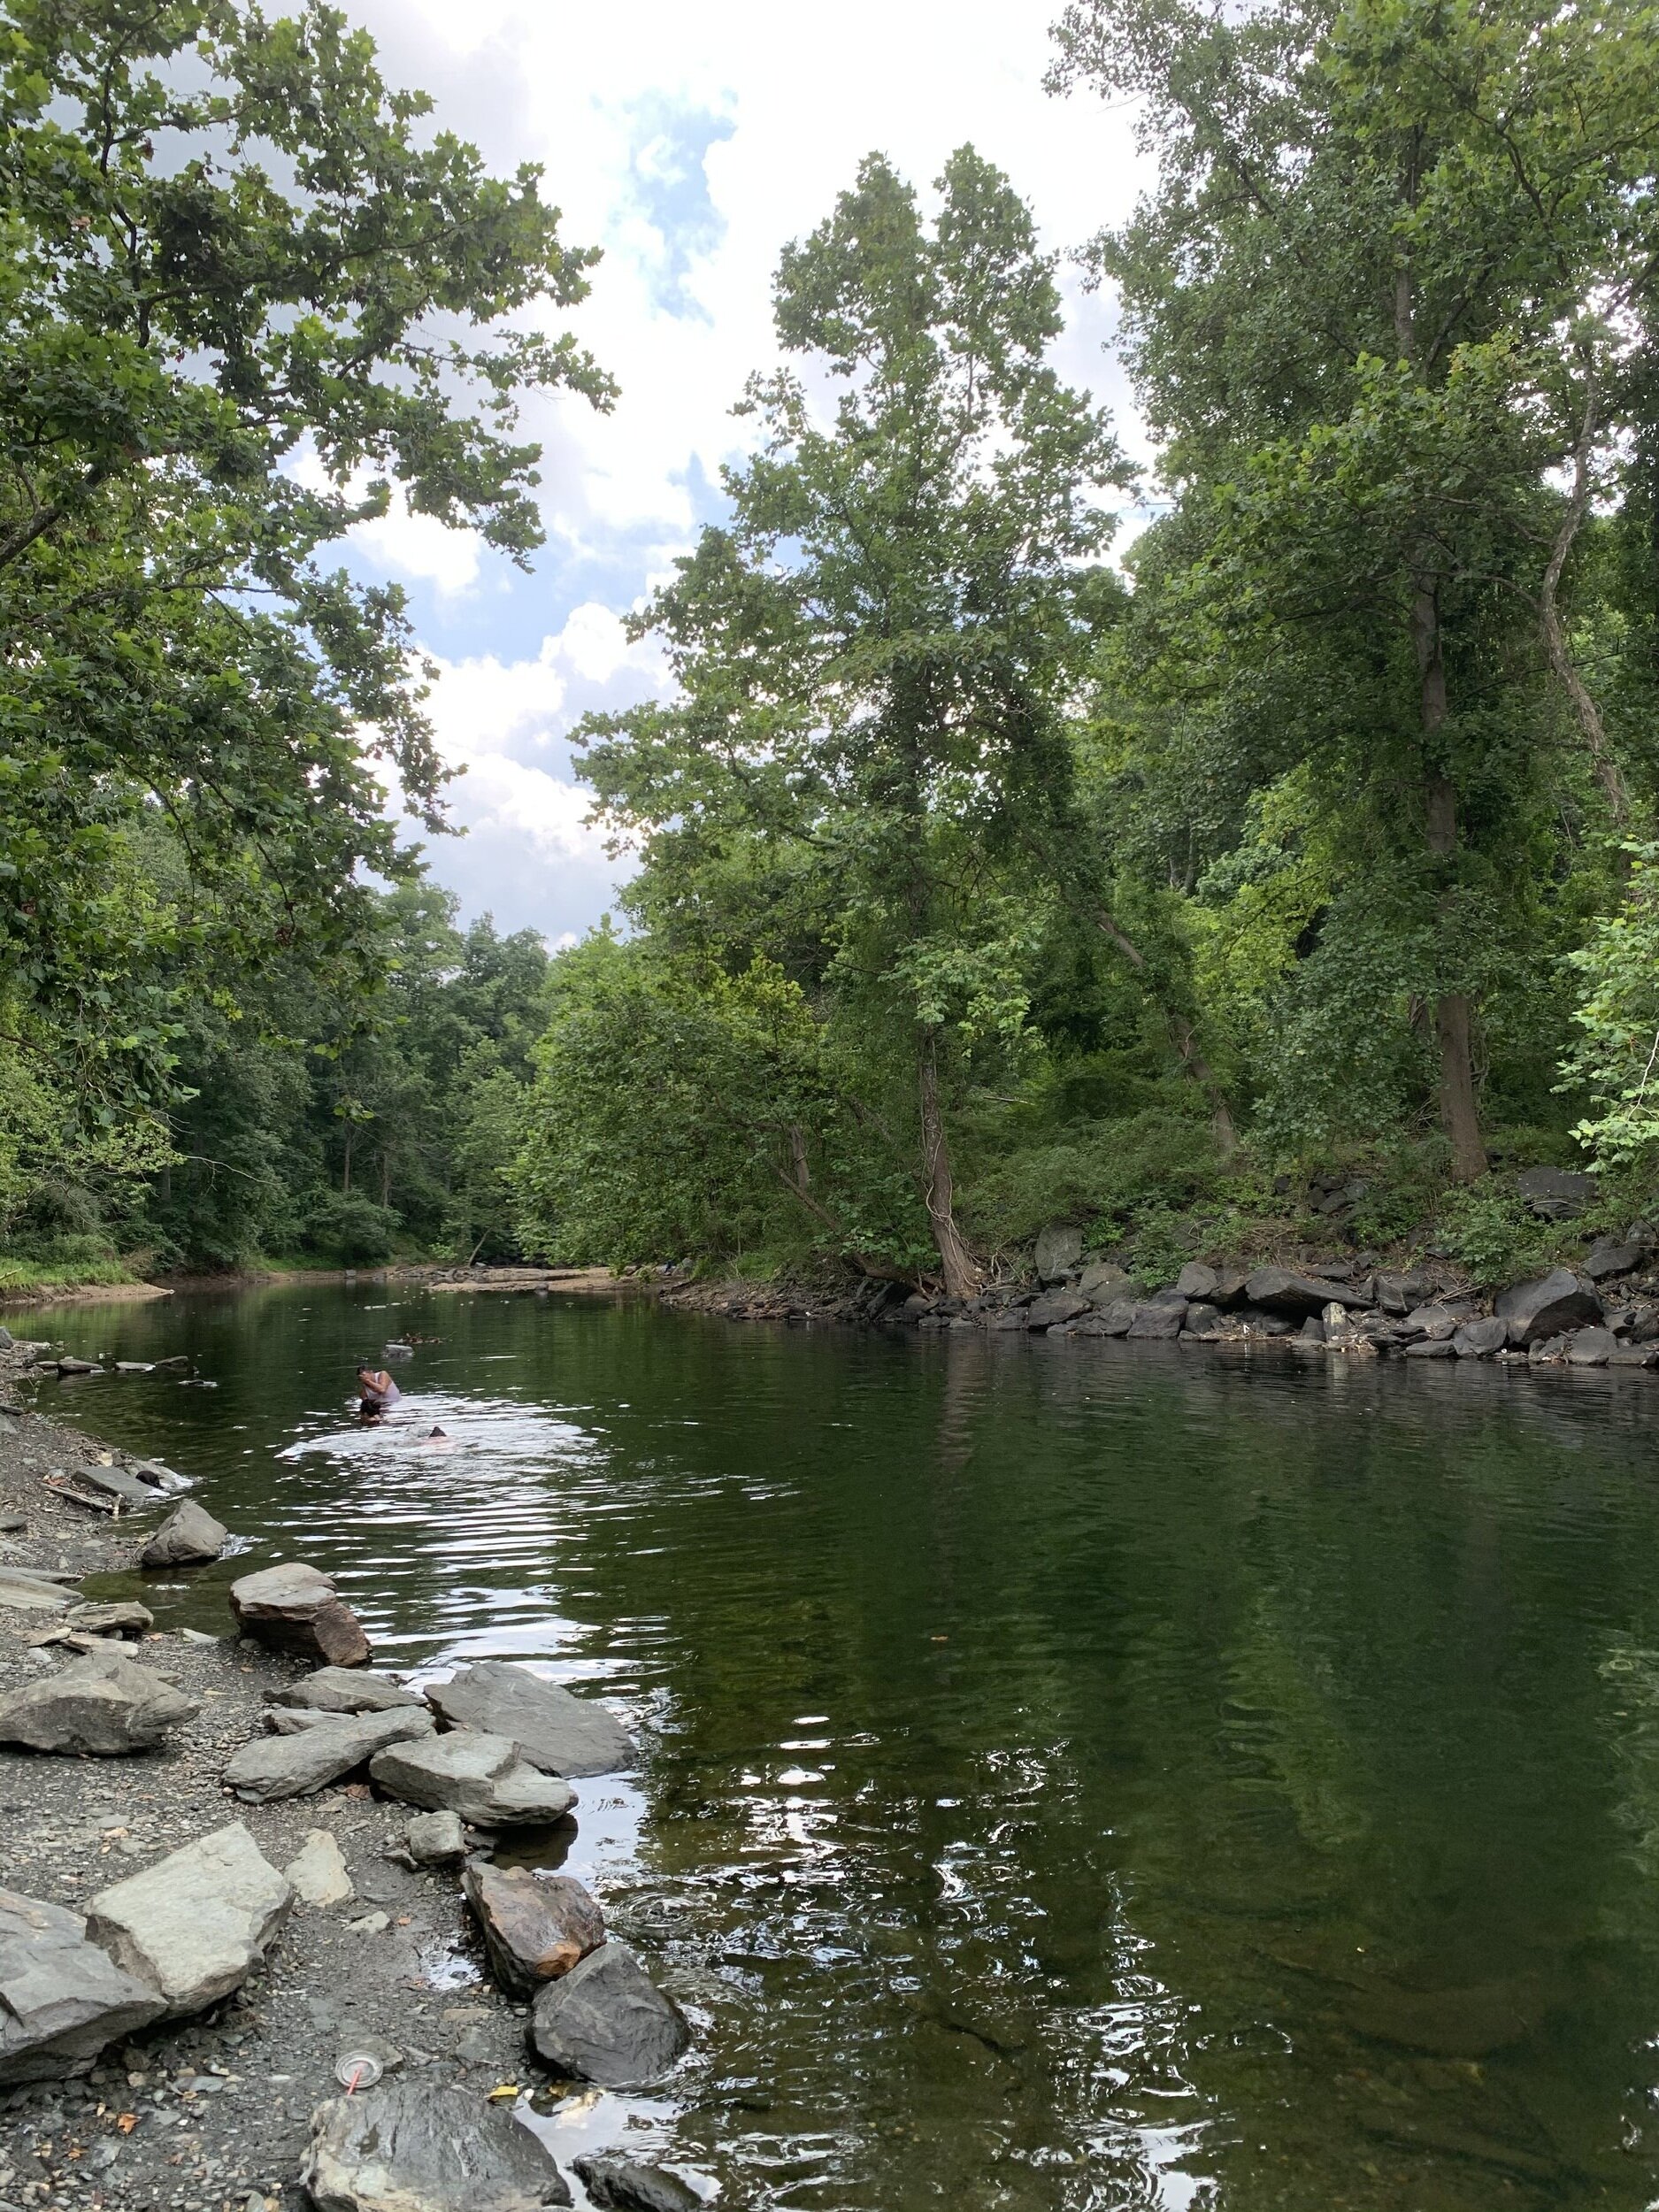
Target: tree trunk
(1460,1114)
(345,1181)
(961,1274)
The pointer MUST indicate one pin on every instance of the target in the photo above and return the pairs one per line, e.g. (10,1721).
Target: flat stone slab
(25,1593)
(606,2022)
(535,1927)
(317,1873)
(270,1767)
(555,1731)
(61,1998)
(293,1607)
(193,1927)
(114,1482)
(616,2184)
(480,1776)
(343,1690)
(96,1707)
(411,2148)
(186,1539)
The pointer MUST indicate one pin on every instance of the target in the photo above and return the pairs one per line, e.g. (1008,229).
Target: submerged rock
(294,1765)
(99,1707)
(61,1998)
(558,1732)
(607,2023)
(411,2148)
(535,1927)
(186,1539)
(481,1776)
(194,1927)
(293,1607)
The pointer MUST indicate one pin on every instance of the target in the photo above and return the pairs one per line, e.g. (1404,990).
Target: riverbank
(213,2112)
(432,1275)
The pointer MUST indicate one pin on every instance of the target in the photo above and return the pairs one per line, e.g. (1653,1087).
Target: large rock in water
(295,1765)
(1544,1308)
(617,2183)
(606,2022)
(100,1705)
(193,1926)
(411,2148)
(535,1927)
(184,1538)
(560,1734)
(61,1998)
(343,1690)
(293,1607)
(481,1776)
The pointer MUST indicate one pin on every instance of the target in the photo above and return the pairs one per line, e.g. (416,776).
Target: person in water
(378,1390)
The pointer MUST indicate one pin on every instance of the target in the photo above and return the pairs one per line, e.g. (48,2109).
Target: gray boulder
(1102,1281)
(606,2022)
(436,1838)
(1115,1319)
(1230,1285)
(560,1734)
(1432,1348)
(1157,1318)
(343,1690)
(1613,1256)
(1479,1338)
(121,1617)
(23,1592)
(1633,1355)
(193,1926)
(114,1482)
(1546,1307)
(411,2148)
(481,1776)
(99,1707)
(1261,1321)
(535,1927)
(1059,1250)
(184,1538)
(1196,1280)
(1203,1320)
(1053,1308)
(1281,1290)
(1433,1322)
(61,1998)
(293,1607)
(1592,1348)
(1399,1293)
(616,2184)
(1558,1193)
(270,1767)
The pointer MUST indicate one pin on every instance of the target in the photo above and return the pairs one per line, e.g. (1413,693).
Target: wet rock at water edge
(318,1874)
(481,1776)
(193,1926)
(1592,1348)
(1547,1306)
(1432,1348)
(1556,1194)
(1054,1308)
(1157,1318)
(1432,1322)
(343,1690)
(1115,1318)
(1059,1251)
(1203,1320)
(607,2023)
(114,1482)
(293,1607)
(1481,1337)
(436,1838)
(97,1706)
(558,1732)
(617,2183)
(188,1538)
(535,1927)
(409,2148)
(270,1767)
(61,1998)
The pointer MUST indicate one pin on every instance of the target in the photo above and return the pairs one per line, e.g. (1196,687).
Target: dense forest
(1290,871)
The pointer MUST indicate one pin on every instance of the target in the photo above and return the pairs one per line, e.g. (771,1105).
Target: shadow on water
(1078,1777)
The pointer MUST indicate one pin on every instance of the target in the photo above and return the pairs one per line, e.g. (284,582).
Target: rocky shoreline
(236,1872)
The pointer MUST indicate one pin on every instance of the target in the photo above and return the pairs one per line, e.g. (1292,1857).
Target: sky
(690,143)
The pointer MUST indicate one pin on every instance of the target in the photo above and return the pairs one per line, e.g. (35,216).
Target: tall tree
(875,652)
(1383,309)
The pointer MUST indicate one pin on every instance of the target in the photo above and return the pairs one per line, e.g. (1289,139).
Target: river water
(1077,1775)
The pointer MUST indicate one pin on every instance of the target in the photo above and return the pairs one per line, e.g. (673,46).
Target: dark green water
(1077,1775)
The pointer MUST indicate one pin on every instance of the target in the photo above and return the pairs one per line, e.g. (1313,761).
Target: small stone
(371,1923)
(318,1873)
(436,1838)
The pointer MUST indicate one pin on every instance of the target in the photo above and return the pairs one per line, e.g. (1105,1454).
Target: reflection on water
(1076,1776)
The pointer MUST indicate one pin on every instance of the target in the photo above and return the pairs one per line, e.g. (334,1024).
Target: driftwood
(112,1506)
